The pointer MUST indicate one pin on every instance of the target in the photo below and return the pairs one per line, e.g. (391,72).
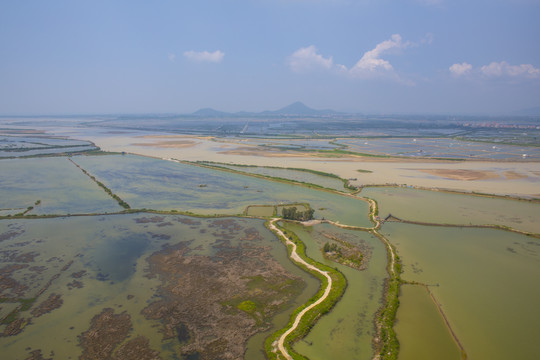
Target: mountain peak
(299,108)
(209,112)
(296,108)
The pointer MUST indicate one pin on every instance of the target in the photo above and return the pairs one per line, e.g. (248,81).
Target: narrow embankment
(280,343)
(120,202)
(392,218)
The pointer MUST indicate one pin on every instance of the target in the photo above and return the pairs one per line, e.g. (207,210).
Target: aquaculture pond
(170,286)
(348,330)
(484,279)
(261,210)
(290,174)
(421,329)
(168,185)
(440,148)
(449,208)
(24,145)
(50,186)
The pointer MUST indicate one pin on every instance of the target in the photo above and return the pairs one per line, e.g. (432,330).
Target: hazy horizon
(535,112)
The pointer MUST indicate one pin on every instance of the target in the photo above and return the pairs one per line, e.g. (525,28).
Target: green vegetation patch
(389,344)
(25,305)
(262,297)
(291,213)
(346,254)
(247,306)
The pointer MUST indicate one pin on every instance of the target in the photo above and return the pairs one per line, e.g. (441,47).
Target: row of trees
(292,213)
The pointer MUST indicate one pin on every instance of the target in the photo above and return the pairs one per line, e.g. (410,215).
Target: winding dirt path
(298,259)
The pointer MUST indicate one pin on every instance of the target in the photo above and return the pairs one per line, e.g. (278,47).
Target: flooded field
(296,175)
(167,185)
(347,331)
(156,285)
(485,281)
(50,186)
(425,206)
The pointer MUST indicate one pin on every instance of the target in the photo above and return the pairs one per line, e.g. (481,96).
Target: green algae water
(420,328)
(347,331)
(484,279)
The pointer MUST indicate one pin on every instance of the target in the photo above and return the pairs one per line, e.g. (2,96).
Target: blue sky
(372,56)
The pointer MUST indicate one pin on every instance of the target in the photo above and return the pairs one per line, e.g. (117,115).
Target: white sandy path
(298,259)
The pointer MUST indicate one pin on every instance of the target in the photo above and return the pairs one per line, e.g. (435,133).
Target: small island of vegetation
(347,255)
(292,213)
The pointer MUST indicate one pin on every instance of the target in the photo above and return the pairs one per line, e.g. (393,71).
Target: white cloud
(306,59)
(205,56)
(460,69)
(504,69)
(172,57)
(371,62)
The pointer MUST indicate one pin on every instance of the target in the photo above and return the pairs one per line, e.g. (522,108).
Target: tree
(292,214)
(326,247)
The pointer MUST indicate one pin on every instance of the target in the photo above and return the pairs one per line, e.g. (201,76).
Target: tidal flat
(404,170)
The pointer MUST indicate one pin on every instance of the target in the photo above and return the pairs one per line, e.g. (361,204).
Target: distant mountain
(299,108)
(295,109)
(208,112)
